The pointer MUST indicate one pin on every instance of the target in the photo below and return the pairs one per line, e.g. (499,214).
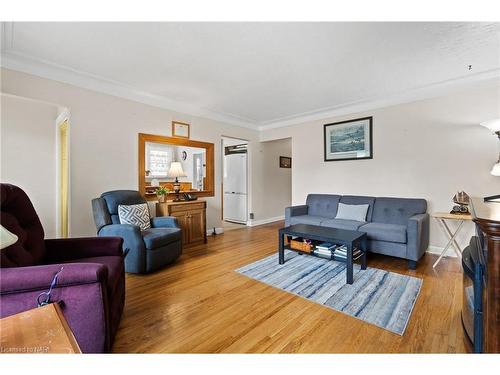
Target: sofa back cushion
(322,205)
(115,198)
(397,210)
(358,200)
(19,217)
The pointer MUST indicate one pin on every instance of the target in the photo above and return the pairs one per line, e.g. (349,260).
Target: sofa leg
(412,264)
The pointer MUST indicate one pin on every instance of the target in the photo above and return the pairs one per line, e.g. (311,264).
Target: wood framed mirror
(156,154)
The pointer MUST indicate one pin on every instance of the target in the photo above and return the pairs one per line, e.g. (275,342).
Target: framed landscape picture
(349,140)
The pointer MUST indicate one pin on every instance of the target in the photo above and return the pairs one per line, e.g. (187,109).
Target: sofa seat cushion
(342,224)
(385,232)
(158,237)
(114,265)
(307,219)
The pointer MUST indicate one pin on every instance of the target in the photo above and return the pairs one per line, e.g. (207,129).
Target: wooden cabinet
(486,215)
(191,216)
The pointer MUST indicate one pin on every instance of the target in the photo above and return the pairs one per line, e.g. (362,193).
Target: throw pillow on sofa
(355,212)
(135,214)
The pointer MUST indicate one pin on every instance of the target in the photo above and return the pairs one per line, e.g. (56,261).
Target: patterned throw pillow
(135,214)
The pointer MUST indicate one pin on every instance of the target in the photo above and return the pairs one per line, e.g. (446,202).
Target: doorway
(234,183)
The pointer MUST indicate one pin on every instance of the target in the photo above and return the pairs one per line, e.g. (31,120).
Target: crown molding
(16,61)
(491,77)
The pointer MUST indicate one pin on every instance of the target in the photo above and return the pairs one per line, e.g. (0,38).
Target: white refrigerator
(235,188)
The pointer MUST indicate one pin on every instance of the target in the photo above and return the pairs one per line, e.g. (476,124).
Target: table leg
(448,244)
(281,248)
(457,249)
(349,267)
(363,258)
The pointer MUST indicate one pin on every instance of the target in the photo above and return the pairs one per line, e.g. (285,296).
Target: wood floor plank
(201,305)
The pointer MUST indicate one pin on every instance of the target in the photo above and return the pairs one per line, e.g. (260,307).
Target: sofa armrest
(66,249)
(418,236)
(164,222)
(22,279)
(294,211)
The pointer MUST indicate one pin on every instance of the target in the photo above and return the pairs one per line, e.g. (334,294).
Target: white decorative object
(495,171)
(493,125)
(7,238)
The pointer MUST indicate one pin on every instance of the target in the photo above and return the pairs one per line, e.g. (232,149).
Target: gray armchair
(147,250)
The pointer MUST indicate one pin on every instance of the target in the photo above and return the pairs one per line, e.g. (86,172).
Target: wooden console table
(487,218)
(40,330)
(191,216)
(441,218)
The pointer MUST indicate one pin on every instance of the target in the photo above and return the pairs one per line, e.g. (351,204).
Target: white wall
(427,149)
(28,153)
(271,181)
(104,141)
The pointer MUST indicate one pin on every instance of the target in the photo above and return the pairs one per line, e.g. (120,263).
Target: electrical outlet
(251,215)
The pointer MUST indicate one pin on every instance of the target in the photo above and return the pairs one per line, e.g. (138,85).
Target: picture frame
(348,140)
(285,162)
(180,129)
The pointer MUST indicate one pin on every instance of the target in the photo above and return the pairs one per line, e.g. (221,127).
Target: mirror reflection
(168,165)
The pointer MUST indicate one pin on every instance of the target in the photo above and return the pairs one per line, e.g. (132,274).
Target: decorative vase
(161,198)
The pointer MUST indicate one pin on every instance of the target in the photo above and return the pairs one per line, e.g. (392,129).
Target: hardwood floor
(200,305)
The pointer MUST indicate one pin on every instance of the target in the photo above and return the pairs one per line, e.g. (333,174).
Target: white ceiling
(255,74)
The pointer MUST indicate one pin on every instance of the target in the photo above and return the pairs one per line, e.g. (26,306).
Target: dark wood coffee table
(350,238)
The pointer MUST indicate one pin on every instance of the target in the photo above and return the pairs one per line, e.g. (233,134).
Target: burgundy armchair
(91,287)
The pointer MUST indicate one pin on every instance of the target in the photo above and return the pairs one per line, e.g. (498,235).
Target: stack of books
(341,253)
(324,250)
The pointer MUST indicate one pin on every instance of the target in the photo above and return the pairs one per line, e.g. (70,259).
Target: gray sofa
(397,227)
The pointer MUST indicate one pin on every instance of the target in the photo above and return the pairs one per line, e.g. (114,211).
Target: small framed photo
(285,162)
(180,129)
(349,140)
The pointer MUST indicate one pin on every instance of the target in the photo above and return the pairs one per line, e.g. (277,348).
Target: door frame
(222,176)
(62,119)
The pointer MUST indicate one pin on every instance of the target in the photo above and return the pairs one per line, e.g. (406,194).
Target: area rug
(379,297)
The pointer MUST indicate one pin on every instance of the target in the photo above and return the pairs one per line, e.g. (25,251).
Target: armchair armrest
(23,279)
(164,222)
(418,236)
(131,234)
(294,211)
(60,250)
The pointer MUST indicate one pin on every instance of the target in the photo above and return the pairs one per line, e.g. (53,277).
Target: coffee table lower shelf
(351,239)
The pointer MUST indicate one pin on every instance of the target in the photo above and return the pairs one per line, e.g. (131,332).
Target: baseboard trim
(254,223)
(210,232)
(438,250)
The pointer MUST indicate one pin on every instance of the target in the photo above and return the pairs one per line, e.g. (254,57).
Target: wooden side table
(441,218)
(40,330)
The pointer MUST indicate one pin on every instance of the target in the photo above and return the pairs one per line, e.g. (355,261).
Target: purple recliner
(91,286)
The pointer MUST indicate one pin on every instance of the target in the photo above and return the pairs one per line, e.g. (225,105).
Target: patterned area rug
(379,297)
